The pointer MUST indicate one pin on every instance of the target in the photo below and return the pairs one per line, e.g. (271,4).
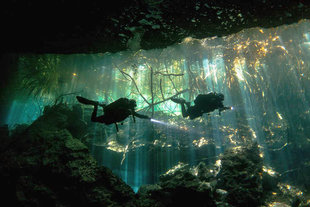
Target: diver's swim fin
(178,100)
(86,101)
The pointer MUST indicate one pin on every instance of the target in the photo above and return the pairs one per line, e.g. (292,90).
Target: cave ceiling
(67,27)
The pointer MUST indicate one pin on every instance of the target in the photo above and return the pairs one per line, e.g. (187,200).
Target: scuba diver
(114,112)
(204,103)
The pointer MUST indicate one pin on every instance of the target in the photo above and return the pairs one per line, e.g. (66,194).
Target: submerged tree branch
(161,90)
(180,92)
(134,82)
(168,74)
(159,102)
(171,80)
(152,91)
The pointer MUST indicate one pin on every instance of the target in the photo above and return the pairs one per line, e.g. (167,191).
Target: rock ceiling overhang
(109,26)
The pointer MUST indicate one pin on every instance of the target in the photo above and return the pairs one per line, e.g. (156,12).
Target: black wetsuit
(204,103)
(115,112)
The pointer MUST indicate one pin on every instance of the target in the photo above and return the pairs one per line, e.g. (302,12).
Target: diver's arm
(223,109)
(140,115)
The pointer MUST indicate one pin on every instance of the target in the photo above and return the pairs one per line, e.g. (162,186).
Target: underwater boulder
(150,195)
(76,125)
(4,131)
(64,117)
(240,176)
(269,182)
(46,166)
(180,186)
(4,136)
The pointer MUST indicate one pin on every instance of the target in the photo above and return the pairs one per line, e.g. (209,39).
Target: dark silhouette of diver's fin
(178,100)
(86,101)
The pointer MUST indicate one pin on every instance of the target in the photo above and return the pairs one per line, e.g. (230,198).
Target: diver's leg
(188,104)
(116,126)
(182,102)
(94,117)
(184,111)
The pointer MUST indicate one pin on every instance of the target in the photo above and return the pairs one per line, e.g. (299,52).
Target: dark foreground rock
(236,180)
(180,187)
(45,166)
(241,176)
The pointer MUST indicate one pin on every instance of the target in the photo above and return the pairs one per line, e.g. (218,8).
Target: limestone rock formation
(44,165)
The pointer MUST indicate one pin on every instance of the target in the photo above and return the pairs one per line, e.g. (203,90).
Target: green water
(263,73)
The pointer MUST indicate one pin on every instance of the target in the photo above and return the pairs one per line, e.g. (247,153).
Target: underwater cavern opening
(264,75)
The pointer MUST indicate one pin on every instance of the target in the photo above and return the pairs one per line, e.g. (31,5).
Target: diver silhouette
(204,103)
(114,112)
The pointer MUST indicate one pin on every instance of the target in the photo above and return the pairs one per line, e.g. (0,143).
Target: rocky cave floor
(47,164)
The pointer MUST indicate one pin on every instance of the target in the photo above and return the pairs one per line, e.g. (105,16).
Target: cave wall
(65,27)
(110,26)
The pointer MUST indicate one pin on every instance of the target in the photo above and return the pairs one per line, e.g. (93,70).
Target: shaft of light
(159,122)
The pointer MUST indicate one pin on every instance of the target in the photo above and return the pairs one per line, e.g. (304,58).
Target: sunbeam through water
(264,74)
